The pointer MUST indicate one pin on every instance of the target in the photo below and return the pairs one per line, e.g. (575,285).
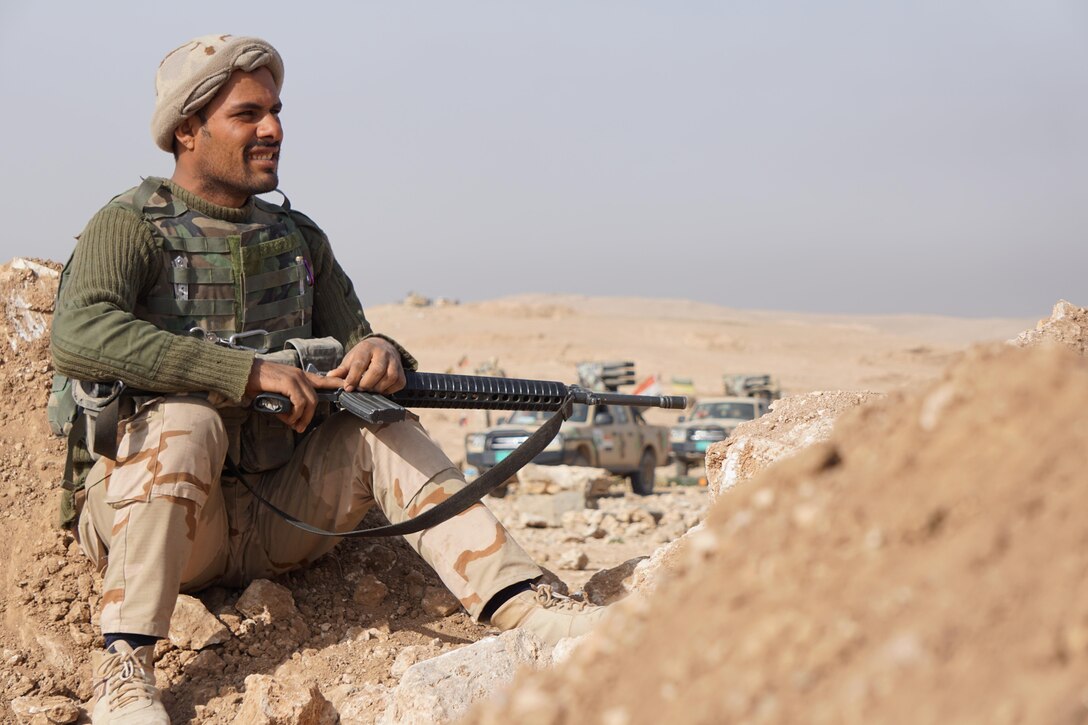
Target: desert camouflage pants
(159,521)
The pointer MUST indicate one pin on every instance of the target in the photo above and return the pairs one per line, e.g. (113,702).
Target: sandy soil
(926,565)
(48,592)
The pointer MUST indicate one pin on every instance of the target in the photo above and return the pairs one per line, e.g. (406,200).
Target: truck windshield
(741,411)
(527,417)
(524,417)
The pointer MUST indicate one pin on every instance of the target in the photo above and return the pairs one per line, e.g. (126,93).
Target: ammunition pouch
(100,404)
(74,410)
(61,409)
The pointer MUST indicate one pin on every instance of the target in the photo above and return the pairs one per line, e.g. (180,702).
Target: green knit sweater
(116,261)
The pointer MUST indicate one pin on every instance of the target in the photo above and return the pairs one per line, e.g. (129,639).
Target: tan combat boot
(124,687)
(546,614)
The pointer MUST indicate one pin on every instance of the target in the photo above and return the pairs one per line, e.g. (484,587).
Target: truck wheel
(642,480)
(681,468)
(580,459)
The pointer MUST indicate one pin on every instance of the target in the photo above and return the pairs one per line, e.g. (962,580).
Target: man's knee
(171,448)
(193,423)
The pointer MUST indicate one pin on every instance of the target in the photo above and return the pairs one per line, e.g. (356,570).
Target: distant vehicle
(613,437)
(710,421)
(759,385)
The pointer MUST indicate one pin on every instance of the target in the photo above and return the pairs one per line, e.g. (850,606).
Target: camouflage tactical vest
(225,279)
(222,277)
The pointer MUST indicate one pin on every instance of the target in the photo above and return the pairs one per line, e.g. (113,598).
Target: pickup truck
(613,437)
(711,420)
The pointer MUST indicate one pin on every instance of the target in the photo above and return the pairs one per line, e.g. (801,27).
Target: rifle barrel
(675,402)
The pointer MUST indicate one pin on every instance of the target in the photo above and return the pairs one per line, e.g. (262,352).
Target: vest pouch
(322,353)
(61,408)
(77,465)
(92,399)
(266,443)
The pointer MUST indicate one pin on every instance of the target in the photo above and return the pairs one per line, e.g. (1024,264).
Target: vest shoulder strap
(151,200)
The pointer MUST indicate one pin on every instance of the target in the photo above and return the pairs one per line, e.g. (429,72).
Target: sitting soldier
(200,252)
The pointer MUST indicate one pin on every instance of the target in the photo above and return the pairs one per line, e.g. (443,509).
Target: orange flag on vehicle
(649,386)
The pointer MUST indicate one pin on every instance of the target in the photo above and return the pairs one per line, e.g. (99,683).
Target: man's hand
(269,377)
(373,365)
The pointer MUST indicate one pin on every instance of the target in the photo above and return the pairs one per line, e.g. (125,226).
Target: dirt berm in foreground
(926,565)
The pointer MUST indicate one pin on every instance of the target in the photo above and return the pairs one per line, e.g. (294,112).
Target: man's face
(236,140)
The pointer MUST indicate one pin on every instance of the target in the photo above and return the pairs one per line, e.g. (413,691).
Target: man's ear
(185,133)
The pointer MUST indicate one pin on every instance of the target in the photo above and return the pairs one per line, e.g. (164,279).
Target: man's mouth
(270,155)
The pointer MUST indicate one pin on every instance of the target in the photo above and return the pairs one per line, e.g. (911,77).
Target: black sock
(133,640)
(502,596)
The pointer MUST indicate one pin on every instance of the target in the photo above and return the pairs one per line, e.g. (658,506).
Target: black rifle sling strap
(455,504)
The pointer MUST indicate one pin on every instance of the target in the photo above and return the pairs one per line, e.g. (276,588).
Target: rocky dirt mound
(925,564)
(339,640)
(1068,326)
(793,423)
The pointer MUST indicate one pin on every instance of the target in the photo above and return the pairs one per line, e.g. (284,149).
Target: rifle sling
(455,504)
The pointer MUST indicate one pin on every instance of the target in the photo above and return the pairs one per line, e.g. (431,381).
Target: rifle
(473,392)
(438,390)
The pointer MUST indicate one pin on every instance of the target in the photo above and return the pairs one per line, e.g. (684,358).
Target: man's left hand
(373,365)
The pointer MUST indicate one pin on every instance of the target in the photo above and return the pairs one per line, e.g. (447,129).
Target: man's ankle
(502,596)
(135,641)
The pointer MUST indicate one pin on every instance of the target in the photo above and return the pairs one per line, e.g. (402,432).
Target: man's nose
(270,128)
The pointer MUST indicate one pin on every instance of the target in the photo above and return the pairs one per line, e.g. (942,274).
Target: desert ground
(923,561)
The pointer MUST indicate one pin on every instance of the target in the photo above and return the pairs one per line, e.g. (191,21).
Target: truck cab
(710,421)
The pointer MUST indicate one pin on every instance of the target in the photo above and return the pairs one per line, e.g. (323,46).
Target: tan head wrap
(190,76)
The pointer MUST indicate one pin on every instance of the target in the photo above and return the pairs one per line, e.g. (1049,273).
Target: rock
(56,652)
(358,704)
(551,579)
(27,305)
(550,508)
(42,710)
(610,585)
(564,648)
(1068,326)
(575,559)
(442,689)
(370,592)
(439,602)
(269,701)
(409,656)
(573,520)
(537,479)
(527,520)
(193,627)
(206,661)
(267,602)
(379,558)
(414,299)
(793,423)
(651,571)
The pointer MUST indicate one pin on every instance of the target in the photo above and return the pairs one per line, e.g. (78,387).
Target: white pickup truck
(613,437)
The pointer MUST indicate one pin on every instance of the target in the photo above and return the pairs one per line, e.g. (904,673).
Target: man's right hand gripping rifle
(373,364)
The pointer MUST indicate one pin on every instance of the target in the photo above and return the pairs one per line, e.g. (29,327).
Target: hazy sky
(883,157)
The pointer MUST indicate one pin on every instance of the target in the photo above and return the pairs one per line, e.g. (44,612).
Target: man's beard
(241,180)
